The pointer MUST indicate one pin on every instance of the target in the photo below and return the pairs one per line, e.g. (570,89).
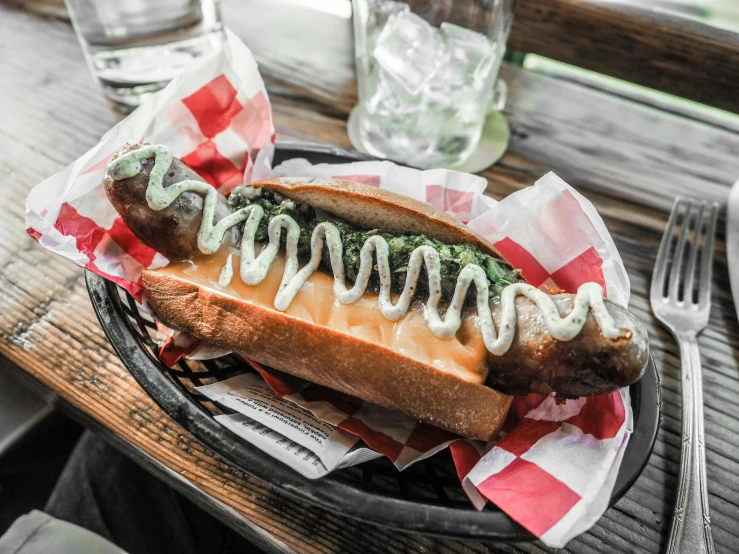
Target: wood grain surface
(637,43)
(629,159)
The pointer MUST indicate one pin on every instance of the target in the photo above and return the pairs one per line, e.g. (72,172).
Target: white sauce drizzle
(253,268)
(227,273)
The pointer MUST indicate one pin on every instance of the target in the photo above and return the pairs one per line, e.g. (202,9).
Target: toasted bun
(374,208)
(327,357)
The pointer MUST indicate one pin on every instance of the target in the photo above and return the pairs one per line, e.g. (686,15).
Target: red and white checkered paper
(554,469)
(215,116)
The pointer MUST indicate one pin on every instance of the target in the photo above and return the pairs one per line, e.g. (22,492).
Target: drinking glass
(426,74)
(135,47)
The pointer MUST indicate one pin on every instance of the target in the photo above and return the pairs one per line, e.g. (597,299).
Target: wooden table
(629,157)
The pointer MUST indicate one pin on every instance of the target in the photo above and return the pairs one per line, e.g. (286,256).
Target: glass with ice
(426,72)
(135,47)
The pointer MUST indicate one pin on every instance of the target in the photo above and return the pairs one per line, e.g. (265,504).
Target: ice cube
(380,11)
(460,100)
(391,101)
(461,89)
(410,50)
(472,55)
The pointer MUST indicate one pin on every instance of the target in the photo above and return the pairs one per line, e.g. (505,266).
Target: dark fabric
(103,491)
(39,533)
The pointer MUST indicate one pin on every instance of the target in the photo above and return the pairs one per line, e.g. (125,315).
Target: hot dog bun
(327,357)
(334,359)
(536,362)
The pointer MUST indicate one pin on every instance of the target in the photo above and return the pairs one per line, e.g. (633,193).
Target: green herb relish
(452,257)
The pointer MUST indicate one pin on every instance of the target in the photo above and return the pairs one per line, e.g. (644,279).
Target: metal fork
(682,303)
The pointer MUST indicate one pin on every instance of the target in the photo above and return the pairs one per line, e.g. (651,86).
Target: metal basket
(427,497)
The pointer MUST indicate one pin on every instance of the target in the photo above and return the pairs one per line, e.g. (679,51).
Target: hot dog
(366,292)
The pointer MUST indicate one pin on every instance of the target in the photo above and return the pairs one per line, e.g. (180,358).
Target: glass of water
(426,73)
(135,47)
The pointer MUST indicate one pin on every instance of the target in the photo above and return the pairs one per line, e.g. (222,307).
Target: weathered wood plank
(636,43)
(617,152)
(562,132)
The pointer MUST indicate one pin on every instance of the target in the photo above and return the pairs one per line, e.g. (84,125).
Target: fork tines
(691,228)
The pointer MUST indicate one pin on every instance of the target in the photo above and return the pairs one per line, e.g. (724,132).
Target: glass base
(127,99)
(493,143)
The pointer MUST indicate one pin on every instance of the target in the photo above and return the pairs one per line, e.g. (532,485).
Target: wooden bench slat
(638,44)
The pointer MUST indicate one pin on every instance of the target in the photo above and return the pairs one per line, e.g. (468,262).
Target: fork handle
(691,524)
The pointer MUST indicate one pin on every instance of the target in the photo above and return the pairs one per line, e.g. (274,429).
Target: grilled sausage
(588,364)
(172,231)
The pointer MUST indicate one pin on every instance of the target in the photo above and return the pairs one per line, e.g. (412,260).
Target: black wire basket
(427,497)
